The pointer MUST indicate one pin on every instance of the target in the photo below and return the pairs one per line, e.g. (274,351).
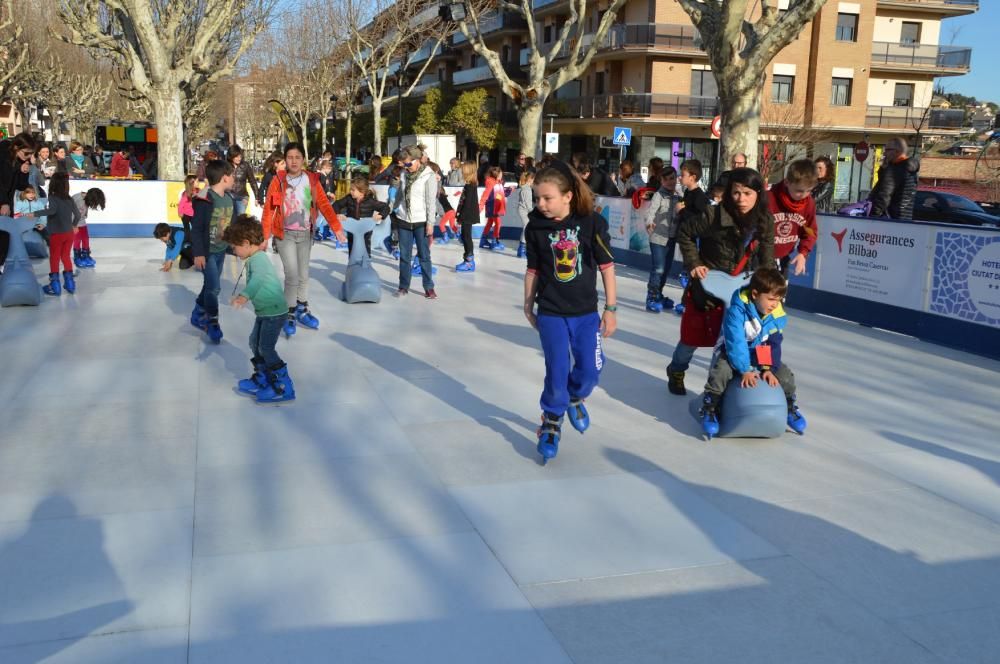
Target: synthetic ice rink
(397,511)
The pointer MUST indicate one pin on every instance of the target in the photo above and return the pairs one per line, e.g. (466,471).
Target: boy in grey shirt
(661,224)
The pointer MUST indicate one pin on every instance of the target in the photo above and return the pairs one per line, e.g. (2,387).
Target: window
(782,89)
(547,35)
(841,95)
(847,27)
(703,84)
(599,83)
(903,96)
(910,35)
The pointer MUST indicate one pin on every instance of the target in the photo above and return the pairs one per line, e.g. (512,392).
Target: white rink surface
(396,511)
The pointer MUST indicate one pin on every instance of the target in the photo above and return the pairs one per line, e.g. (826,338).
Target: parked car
(951,209)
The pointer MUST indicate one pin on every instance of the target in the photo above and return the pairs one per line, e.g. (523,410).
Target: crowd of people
(739,227)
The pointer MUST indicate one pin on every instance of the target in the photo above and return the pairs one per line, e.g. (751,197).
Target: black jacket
(467,210)
(265,182)
(11,180)
(363,209)
(822,193)
(600,183)
(896,189)
(715,241)
(242,176)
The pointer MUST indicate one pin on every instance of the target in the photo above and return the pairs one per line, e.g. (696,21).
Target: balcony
(425,52)
(494,23)
(945,7)
(484,73)
(635,105)
(930,57)
(911,118)
(659,37)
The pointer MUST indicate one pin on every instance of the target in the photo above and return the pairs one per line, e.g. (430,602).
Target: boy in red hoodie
(794,210)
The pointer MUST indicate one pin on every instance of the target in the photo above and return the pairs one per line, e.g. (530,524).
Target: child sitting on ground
(794,210)
(750,347)
(178,246)
(269,382)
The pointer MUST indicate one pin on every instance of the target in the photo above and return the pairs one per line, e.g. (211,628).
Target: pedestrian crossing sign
(622,136)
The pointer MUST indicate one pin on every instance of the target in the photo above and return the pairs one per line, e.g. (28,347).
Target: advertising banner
(874,260)
(966,279)
(626,225)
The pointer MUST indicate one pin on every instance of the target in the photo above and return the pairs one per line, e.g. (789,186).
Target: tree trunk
(529,120)
(740,125)
(377,123)
(347,143)
(166,103)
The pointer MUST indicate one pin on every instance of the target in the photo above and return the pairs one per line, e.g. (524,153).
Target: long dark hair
(23,141)
(271,160)
(756,219)
(59,185)
(234,151)
(829,168)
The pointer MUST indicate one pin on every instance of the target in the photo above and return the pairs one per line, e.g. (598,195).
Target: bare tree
(787,135)
(385,38)
(13,54)
(543,78)
(741,38)
(169,50)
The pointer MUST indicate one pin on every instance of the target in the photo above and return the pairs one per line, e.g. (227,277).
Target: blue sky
(980,32)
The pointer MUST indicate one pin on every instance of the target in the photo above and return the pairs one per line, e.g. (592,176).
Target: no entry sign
(861,151)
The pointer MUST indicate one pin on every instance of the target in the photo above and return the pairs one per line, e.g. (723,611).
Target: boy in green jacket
(270,382)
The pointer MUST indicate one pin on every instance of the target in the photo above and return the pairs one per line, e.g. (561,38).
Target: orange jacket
(273,217)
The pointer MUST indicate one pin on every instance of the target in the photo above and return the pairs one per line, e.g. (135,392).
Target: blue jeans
(661,257)
(682,357)
(574,358)
(407,238)
(239,205)
(208,298)
(263,339)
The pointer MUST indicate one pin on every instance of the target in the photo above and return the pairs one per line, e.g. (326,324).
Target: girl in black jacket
(468,215)
(15,166)
(361,203)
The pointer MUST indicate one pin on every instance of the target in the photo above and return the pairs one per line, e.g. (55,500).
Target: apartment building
(861,69)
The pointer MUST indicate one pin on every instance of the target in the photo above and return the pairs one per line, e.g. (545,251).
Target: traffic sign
(717,126)
(622,136)
(551,143)
(861,151)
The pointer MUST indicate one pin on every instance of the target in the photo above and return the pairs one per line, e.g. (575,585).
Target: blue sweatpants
(573,359)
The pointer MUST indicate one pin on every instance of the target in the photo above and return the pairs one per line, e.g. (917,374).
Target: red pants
(82,238)
(448,220)
(492,223)
(59,248)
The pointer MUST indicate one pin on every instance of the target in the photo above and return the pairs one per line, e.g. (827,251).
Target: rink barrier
(937,282)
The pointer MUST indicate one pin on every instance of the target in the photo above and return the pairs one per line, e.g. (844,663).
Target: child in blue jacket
(750,347)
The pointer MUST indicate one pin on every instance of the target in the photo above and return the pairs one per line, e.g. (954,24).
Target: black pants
(467,241)
(368,243)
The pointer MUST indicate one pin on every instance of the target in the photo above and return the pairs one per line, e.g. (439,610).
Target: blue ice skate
(198,317)
(468,265)
(305,317)
(485,242)
(289,327)
(548,437)
(666,303)
(69,283)
(54,287)
(522,252)
(653,304)
(709,415)
(214,331)
(578,415)
(796,421)
(256,381)
(279,388)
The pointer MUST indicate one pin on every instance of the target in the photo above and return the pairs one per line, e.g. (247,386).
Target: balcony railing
(637,105)
(952,7)
(908,117)
(661,36)
(494,23)
(922,55)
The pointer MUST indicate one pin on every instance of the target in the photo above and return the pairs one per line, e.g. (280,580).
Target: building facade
(860,70)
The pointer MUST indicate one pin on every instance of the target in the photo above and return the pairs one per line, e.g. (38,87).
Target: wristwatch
(611,307)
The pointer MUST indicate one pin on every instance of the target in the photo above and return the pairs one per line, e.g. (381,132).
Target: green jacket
(264,288)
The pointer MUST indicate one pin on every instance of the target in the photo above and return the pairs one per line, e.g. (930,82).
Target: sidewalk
(396,511)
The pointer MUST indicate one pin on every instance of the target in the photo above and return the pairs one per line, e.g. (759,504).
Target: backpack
(496,205)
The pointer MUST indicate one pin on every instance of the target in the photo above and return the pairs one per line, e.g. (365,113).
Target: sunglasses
(407,164)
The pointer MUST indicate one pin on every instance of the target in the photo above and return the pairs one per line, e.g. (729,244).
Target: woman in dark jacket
(360,203)
(822,193)
(242,176)
(273,164)
(15,168)
(740,227)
